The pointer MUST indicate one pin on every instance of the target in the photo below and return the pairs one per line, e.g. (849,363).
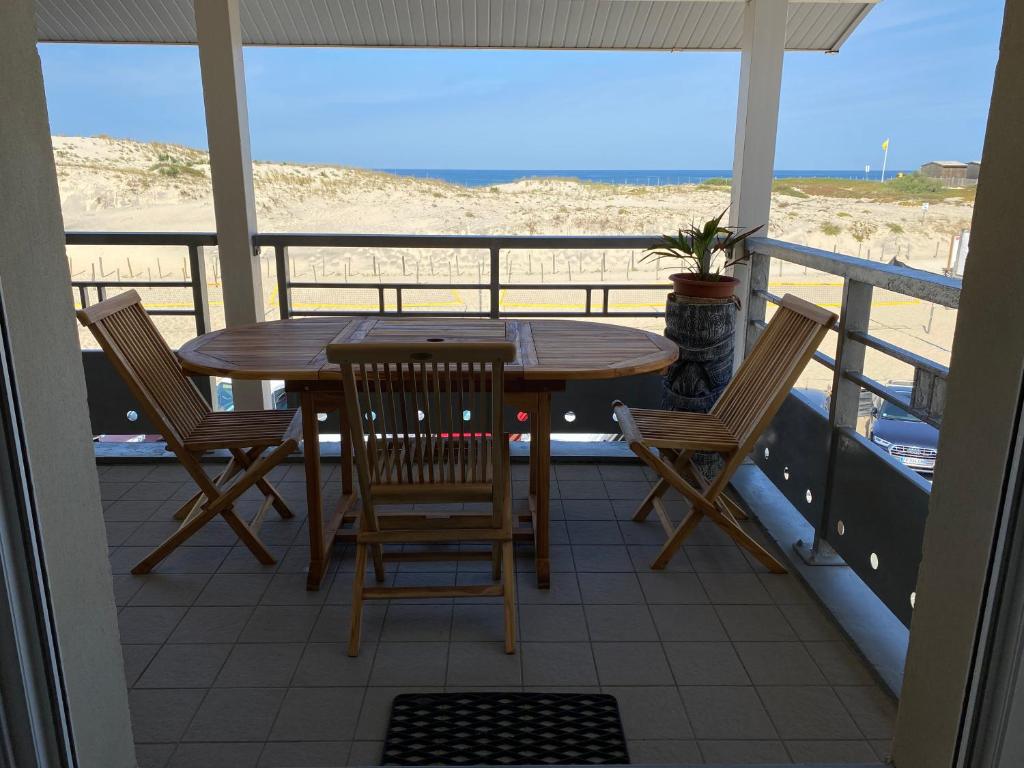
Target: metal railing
(195,281)
(493,244)
(863,504)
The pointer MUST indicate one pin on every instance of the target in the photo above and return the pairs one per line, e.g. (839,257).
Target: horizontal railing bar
(916,283)
(485,286)
(180,312)
(140,238)
(377,313)
(899,353)
(876,387)
(774,298)
(131,284)
(541,242)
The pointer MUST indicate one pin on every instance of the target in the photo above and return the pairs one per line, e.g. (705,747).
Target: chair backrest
(148,366)
(769,372)
(426,416)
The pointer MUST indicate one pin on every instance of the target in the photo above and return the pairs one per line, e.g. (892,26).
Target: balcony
(715,660)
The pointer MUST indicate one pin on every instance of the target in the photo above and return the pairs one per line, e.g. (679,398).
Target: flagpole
(885,159)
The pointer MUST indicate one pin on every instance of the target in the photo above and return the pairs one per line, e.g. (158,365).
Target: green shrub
(896,229)
(831,229)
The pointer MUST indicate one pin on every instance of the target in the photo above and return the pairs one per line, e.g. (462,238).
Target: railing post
(283,279)
(200,291)
(756,303)
(844,407)
(495,282)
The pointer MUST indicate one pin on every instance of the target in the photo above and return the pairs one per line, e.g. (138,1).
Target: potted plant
(698,246)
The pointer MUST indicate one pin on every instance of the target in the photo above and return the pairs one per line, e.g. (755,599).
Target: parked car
(225,401)
(905,437)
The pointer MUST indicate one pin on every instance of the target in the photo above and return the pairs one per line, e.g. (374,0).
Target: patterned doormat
(504,729)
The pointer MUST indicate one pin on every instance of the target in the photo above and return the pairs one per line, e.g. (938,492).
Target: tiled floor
(231,663)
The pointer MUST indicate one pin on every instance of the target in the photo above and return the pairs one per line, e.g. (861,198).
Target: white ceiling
(552,24)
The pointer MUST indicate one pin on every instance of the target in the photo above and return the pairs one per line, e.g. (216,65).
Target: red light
(522,416)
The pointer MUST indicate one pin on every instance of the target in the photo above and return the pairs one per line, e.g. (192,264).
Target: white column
(42,341)
(757,120)
(227,129)
(972,503)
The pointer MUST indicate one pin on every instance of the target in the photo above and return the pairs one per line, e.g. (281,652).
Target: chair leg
(171,543)
(247,537)
(356,627)
(496,550)
(245,459)
(378,562)
(676,540)
(509,592)
(741,538)
(647,504)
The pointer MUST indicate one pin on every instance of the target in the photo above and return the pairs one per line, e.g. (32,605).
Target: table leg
(315,513)
(540,473)
(346,454)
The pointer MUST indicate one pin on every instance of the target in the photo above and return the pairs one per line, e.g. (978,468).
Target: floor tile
(366,753)
(810,623)
(587,509)
(558,664)
(602,558)
(280,624)
(743,588)
(211,625)
(755,623)
(831,752)
(590,532)
(308,754)
(661,752)
(643,555)
(227,755)
(185,666)
(610,588)
(256,665)
(840,664)
(779,664)
(872,710)
(417,622)
(328,664)
(753,752)
(582,489)
(479,622)
(807,712)
(785,589)
(612,623)
(563,591)
(705,664)
(154,755)
(136,659)
(685,623)
(162,715)
(552,623)
(725,559)
(481,663)
(628,490)
(161,589)
(148,625)
(631,664)
(234,589)
(412,664)
(290,589)
(726,712)
(318,714)
(669,587)
(236,714)
(651,712)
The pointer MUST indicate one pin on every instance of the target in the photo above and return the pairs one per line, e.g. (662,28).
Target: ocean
(488,177)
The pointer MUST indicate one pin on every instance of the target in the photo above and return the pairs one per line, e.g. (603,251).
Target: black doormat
(504,729)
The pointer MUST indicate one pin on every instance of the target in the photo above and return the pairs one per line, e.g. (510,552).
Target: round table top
(547,349)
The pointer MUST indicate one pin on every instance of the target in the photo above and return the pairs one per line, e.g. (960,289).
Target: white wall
(977,436)
(48,371)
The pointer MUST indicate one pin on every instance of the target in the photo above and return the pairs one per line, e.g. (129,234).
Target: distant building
(973,169)
(949,171)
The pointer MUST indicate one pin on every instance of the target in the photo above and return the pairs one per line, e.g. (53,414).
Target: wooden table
(550,353)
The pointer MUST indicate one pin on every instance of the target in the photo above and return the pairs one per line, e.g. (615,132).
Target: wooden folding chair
(731,429)
(426,426)
(257,440)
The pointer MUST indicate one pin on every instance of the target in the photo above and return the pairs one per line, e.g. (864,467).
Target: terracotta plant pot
(686,284)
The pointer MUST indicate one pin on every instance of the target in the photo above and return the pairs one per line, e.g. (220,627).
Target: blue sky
(917,71)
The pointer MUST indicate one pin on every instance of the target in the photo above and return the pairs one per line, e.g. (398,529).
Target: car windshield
(895,412)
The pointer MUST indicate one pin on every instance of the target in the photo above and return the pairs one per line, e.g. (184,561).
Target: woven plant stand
(705,330)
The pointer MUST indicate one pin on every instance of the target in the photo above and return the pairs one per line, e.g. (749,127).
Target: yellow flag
(885,145)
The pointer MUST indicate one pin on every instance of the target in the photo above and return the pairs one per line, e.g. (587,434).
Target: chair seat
(679,429)
(242,429)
